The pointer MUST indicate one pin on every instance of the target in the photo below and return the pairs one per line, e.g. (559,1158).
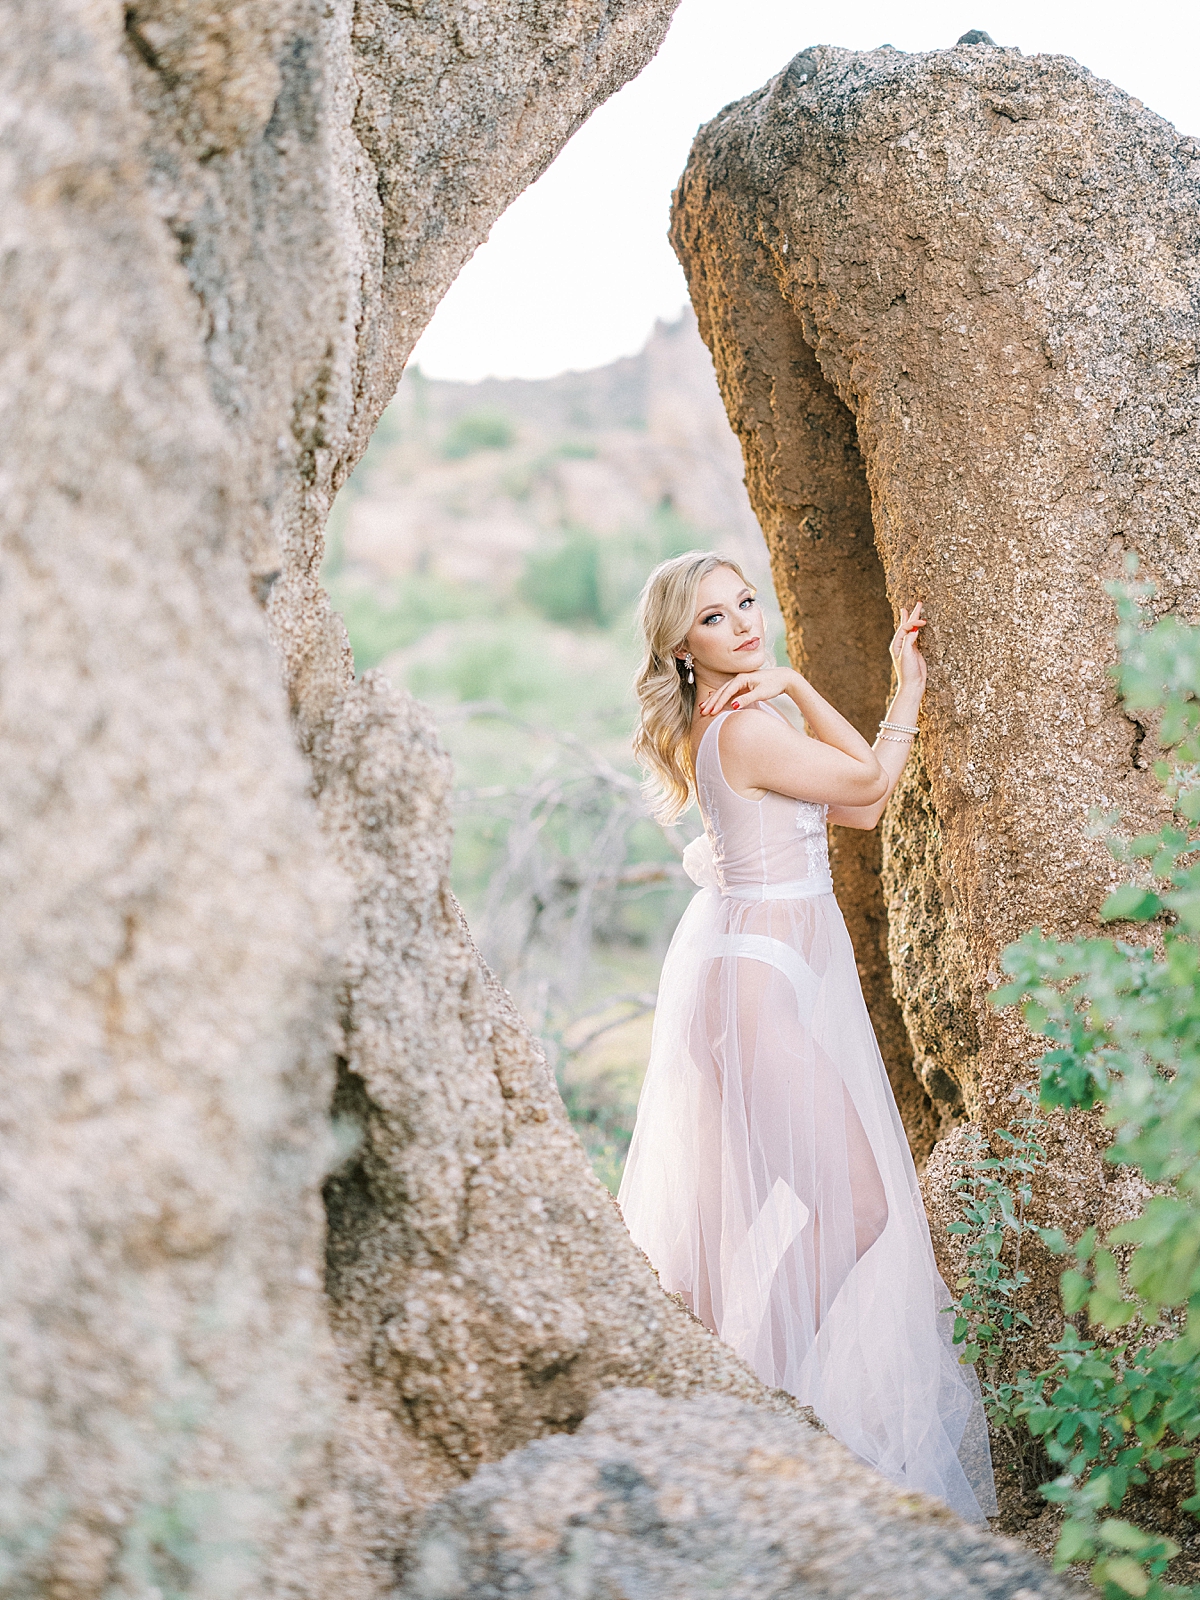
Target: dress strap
(706,751)
(761,705)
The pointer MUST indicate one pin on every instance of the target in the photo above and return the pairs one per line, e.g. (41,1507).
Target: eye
(748,601)
(714,616)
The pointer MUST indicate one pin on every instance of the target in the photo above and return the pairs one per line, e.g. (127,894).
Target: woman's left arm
(893,753)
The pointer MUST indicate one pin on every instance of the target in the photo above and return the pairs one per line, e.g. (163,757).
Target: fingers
(718,701)
(708,707)
(727,692)
(911,622)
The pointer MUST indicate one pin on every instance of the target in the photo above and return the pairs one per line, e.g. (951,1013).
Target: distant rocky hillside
(466,481)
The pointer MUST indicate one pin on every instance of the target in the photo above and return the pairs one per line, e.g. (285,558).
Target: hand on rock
(906,649)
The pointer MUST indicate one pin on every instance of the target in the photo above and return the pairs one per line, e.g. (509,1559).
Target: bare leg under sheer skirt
(771,1185)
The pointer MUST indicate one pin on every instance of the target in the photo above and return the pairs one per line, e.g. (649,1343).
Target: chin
(752,661)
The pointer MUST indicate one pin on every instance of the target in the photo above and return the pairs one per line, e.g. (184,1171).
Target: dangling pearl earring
(687,661)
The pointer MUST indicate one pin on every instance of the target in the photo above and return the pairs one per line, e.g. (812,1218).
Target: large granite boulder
(224,226)
(657,1499)
(167,938)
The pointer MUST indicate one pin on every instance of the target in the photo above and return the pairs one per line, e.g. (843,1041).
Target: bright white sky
(578,268)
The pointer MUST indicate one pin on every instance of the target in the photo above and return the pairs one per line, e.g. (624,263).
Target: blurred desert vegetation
(487,554)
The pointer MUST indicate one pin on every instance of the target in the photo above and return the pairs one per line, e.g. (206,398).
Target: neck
(707,681)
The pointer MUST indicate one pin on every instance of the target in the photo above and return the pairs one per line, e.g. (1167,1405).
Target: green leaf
(1125,1572)
(1054,1239)
(1120,1535)
(1074,1288)
(1067,1429)
(1075,1543)
(1130,903)
(1142,1404)
(1111,1311)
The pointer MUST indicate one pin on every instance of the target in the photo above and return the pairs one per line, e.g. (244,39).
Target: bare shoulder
(757,728)
(757,746)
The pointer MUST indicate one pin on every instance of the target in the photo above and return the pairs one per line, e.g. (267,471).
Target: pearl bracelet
(899,727)
(896,738)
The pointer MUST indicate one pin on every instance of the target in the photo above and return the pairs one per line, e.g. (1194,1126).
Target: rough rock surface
(658,1499)
(952,303)
(168,1380)
(324,171)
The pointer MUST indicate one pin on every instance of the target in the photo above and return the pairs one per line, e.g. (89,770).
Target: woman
(769,1180)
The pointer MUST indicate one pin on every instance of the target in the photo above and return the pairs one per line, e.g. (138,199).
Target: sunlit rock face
(951,301)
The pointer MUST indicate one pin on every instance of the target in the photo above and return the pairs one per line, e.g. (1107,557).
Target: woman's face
(727,634)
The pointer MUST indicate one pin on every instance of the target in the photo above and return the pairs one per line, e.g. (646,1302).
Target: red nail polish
(734,707)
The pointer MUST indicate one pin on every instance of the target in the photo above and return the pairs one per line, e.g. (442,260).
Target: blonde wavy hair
(667,701)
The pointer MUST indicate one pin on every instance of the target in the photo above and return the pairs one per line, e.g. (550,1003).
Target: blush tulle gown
(769,1179)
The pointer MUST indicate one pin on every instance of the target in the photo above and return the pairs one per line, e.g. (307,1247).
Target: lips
(750,644)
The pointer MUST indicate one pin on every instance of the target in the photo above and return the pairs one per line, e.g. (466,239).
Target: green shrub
(478,430)
(564,583)
(993,1192)
(1124,1029)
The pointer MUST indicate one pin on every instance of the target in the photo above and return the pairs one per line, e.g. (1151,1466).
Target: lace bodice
(772,841)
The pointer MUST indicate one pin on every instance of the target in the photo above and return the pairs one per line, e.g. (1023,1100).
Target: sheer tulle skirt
(771,1185)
